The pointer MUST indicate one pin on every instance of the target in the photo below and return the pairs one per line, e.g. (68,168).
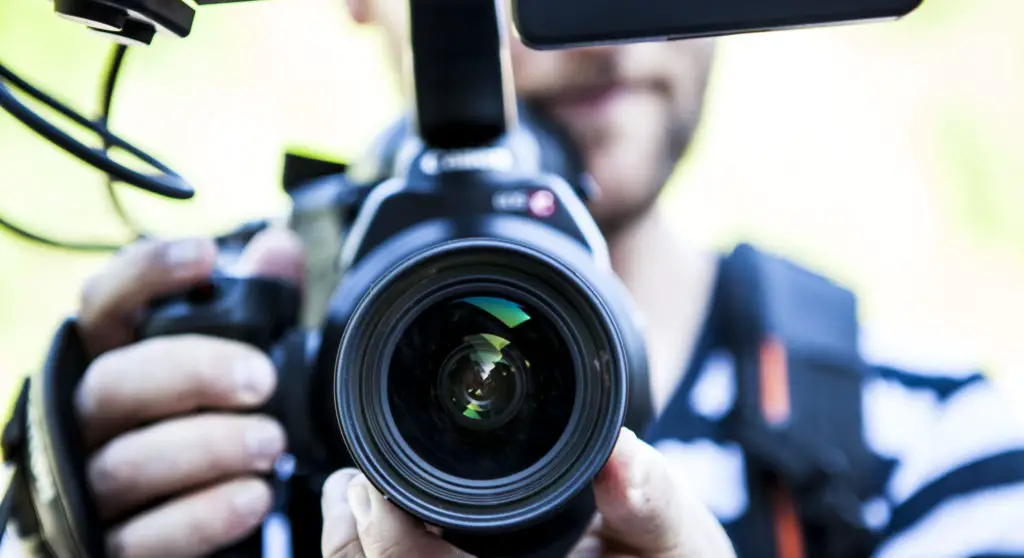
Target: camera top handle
(462,72)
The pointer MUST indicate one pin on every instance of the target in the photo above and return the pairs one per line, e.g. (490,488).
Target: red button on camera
(542,203)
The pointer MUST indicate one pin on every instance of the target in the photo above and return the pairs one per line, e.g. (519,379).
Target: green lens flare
(486,353)
(510,313)
(472,411)
(497,342)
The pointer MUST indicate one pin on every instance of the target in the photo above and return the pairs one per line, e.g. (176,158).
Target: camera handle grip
(257,311)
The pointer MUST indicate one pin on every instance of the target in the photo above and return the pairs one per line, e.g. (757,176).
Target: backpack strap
(798,411)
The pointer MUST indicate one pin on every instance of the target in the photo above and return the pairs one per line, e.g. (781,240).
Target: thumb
(645,506)
(360,522)
(276,252)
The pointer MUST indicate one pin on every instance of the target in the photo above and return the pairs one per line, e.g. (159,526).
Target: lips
(589,94)
(588,102)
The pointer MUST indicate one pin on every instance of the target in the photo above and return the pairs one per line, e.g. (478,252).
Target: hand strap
(47,496)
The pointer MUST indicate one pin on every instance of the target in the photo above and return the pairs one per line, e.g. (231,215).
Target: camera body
(478,356)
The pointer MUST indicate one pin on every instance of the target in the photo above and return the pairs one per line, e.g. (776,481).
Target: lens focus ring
(423,413)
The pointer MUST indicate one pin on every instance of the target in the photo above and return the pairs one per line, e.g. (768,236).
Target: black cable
(168,184)
(110,81)
(74,246)
(47,100)
(109,84)
(96,157)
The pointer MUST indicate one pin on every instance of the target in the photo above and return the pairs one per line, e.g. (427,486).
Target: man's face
(632,109)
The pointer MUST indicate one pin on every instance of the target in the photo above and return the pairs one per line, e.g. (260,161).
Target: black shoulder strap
(798,413)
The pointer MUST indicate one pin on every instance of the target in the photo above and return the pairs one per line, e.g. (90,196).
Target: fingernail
(625,448)
(627,436)
(335,491)
(250,501)
(359,499)
(185,253)
(636,469)
(265,443)
(617,470)
(627,469)
(254,379)
(636,472)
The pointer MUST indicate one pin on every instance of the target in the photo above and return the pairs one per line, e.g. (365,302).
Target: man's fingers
(381,529)
(275,252)
(194,525)
(168,376)
(340,538)
(112,300)
(177,455)
(645,506)
(388,532)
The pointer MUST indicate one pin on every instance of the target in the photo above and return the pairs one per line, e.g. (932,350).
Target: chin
(613,221)
(613,209)
(628,181)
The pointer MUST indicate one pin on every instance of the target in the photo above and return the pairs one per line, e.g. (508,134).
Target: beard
(623,201)
(631,112)
(630,153)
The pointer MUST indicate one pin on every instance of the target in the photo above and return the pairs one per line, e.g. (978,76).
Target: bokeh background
(890,156)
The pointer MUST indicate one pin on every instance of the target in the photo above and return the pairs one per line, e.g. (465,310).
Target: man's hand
(644,511)
(173,463)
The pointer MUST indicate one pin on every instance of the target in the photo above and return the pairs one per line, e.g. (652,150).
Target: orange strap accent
(774,382)
(775,407)
(789,538)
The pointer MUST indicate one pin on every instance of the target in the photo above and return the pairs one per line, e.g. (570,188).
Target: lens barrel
(481,386)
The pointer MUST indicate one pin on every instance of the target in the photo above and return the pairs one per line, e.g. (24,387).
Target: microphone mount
(463,98)
(461,71)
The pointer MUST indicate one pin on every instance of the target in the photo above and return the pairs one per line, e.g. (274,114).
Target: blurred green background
(886,155)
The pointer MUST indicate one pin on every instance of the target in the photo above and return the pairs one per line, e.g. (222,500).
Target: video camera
(476,356)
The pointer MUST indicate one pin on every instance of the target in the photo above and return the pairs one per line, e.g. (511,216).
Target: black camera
(475,360)
(469,348)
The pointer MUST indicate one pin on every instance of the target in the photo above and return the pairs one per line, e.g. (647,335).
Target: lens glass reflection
(481,387)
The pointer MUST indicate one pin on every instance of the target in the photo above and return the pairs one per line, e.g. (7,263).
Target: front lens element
(481,382)
(481,387)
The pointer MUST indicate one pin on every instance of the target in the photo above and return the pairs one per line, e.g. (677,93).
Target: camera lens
(481,382)
(481,386)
